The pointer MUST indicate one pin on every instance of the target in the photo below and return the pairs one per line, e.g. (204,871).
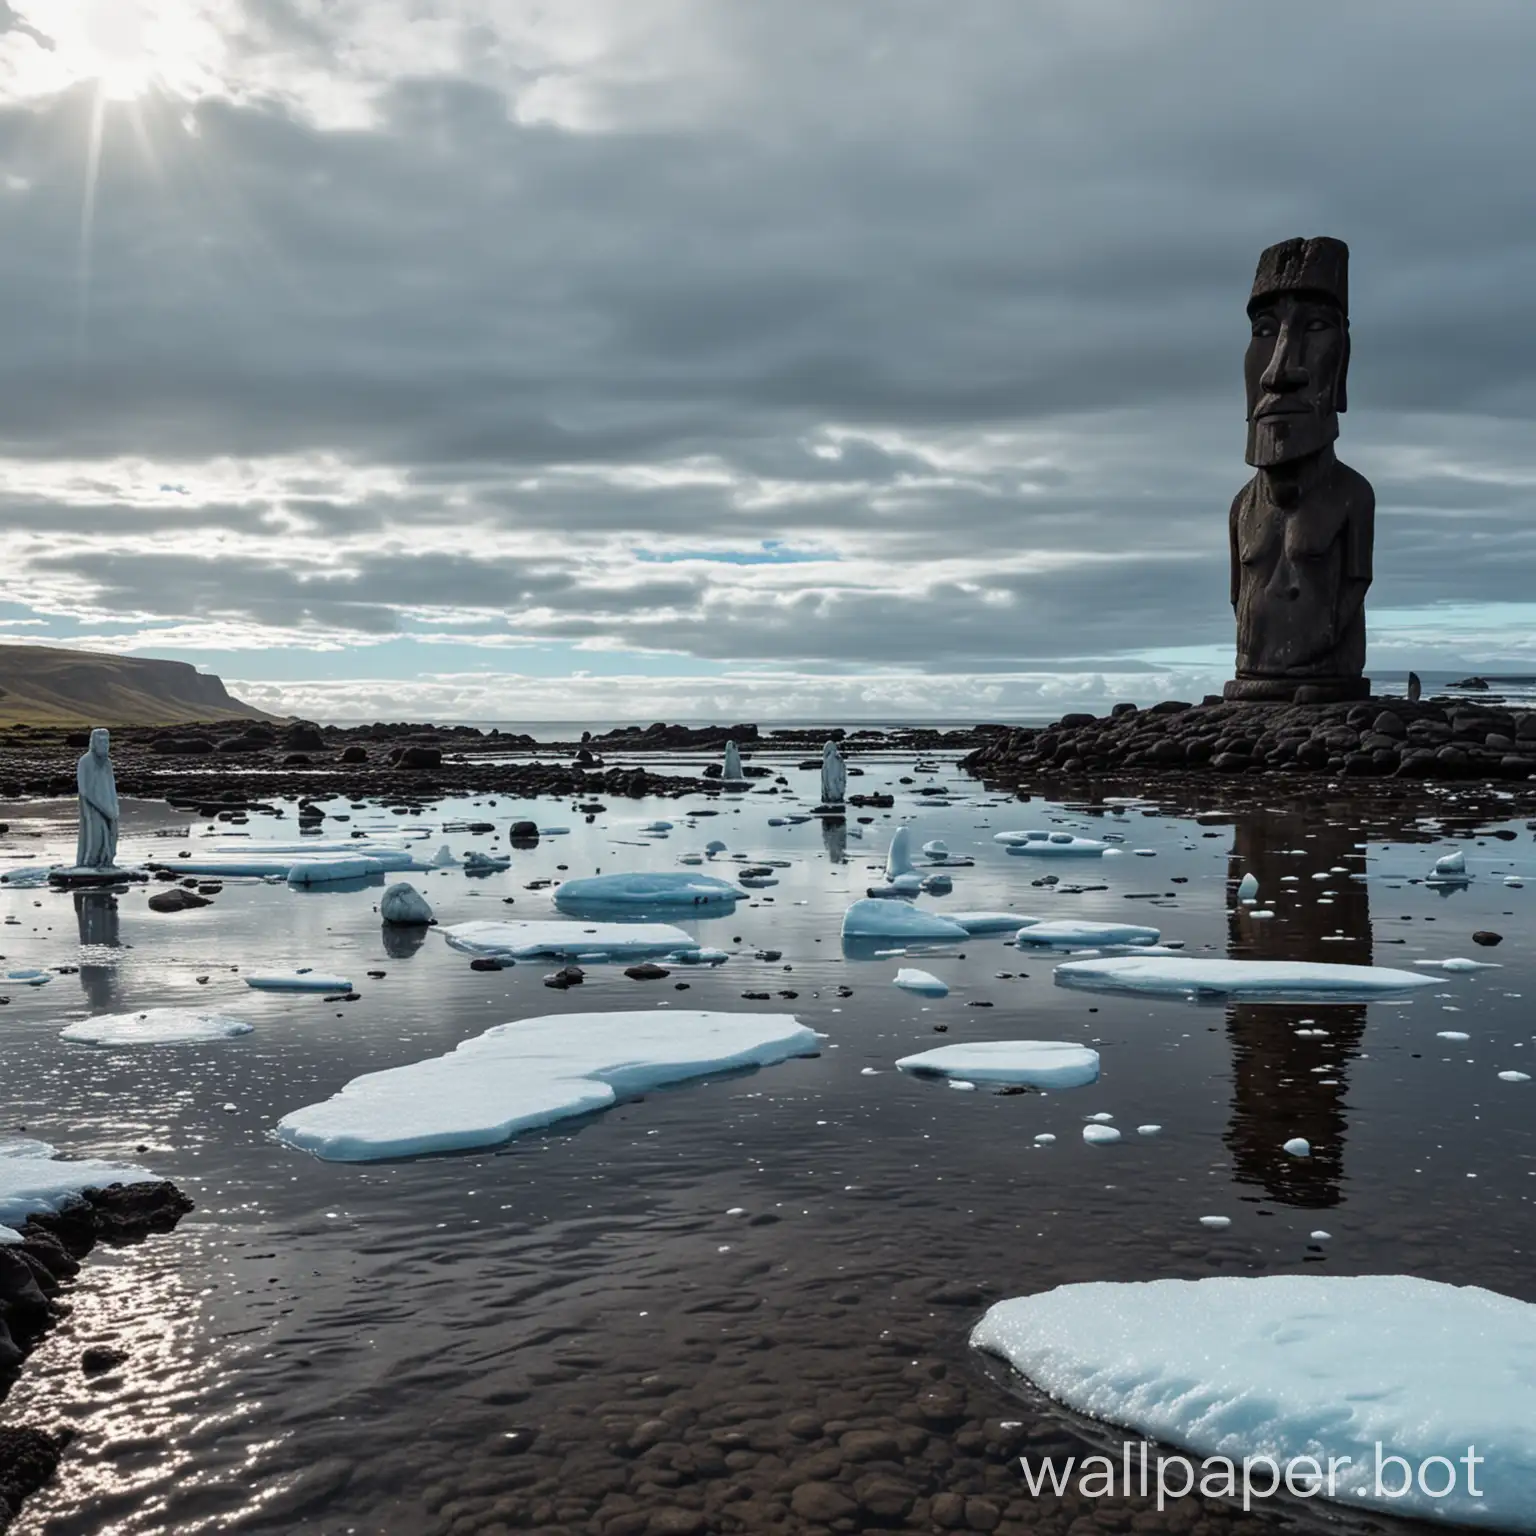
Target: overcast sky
(656,358)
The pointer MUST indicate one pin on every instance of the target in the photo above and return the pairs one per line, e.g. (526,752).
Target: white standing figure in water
(97,847)
(732,770)
(834,776)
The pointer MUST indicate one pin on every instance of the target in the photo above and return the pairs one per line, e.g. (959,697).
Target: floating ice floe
(477,863)
(1461,965)
(403,906)
(1076,933)
(1049,844)
(301,981)
(1451,863)
(520,1076)
(649,888)
(1514,1077)
(27,978)
(1289,979)
(1307,1370)
(874,918)
(33,1178)
(903,885)
(333,871)
(987,922)
(568,939)
(909,979)
(155,1026)
(1030,1063)
(1298,1146)
(1100,1135)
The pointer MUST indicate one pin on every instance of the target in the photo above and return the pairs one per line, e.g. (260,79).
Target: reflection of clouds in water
(142,1432)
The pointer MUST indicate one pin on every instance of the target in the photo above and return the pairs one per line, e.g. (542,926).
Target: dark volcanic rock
(1410,740)
(179,900)
(28,1460)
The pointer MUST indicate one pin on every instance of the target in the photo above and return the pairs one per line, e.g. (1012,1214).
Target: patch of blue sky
(768,552)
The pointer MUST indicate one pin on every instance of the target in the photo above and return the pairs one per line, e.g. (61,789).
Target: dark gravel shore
(215,769)
(33,1274)
(1380,740)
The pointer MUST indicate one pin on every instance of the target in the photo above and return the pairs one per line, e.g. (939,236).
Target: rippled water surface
(572,1333)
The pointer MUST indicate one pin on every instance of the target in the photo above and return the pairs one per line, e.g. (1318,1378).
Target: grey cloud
(899,217)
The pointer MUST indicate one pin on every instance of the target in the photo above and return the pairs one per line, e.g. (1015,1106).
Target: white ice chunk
(1292,1366)
(28,977)
(1298,1146)
(333,871)
(1461,965)
(1033,1063)
(1049,844)
(937,849)
(875,918)
(648,888)
(1100,1135)
(1076,933)
(33,1178)
(909,979)
(1514,1077)
(898,860)
(155,1026)
(1248,887)
(1451,863)
(563,938)
(989,922)
(1181,976)
(517,1077)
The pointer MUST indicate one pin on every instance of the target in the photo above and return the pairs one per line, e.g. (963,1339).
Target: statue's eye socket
(1265,327)
(1317,323)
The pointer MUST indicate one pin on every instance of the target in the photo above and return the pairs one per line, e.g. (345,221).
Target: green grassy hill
(45,685)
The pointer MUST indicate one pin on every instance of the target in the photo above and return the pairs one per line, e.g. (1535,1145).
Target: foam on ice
(1301,1365)
(520,1076)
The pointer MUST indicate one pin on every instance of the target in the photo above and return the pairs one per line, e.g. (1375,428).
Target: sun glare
(127,48)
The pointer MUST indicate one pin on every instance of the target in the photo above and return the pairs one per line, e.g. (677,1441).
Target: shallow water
(571,1333)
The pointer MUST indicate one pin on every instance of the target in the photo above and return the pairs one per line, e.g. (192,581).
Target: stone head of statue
(1297,363)
(101,742)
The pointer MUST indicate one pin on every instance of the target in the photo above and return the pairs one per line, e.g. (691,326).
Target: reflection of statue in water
(96,914)
(1301,531)
(834,838)
(1276,1093)
(97,844)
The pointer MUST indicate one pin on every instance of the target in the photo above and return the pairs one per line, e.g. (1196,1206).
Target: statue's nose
(1283,377)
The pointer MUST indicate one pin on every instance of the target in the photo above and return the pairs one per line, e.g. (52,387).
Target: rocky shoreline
(33,1274)
(1448,741)
(216,769)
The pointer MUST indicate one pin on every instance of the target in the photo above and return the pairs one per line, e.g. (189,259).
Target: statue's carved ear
(1341,389)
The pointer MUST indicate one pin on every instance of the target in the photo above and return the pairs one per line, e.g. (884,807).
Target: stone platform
(1376,738)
